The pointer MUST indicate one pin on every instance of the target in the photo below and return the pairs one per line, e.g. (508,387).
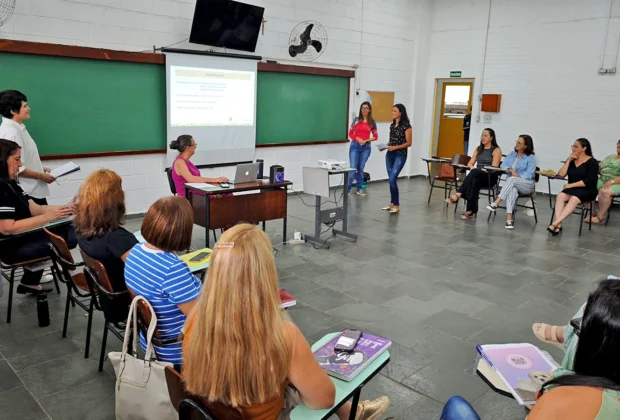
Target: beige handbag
(141,389)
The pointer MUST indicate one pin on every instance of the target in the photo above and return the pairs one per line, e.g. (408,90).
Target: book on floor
(523,368)
(347,365)
(287,299)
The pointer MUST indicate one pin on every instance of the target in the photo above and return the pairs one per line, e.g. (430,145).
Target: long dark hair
(7,149)
(596,360)
(493,140)
(529,144)
(183,142)
(404,118)
(585,143)
(360,118)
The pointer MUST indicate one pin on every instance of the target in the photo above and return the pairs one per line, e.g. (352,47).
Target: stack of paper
(66,169)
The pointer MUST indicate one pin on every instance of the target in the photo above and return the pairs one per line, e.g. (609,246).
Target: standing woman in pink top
(362,132)
(184,171)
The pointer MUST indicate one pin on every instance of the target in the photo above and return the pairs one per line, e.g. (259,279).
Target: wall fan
(7,7)
(308,40)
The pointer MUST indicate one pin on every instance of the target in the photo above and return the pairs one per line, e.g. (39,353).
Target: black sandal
(554,230)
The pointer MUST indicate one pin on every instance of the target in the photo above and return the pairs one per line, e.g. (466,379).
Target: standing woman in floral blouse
(396,156)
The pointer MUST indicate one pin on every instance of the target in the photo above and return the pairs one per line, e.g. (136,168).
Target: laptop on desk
(246,172)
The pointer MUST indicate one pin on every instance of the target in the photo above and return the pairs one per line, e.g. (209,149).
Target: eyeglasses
(365,107)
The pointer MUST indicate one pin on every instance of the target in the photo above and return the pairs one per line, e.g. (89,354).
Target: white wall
(543,57)
(377,35)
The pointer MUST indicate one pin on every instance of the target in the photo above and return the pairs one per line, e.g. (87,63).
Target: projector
(332,164)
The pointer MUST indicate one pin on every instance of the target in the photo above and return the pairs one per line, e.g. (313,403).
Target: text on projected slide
(211,97)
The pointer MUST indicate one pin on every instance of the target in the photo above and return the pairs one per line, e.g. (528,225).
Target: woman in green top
(591,390)
(608,184)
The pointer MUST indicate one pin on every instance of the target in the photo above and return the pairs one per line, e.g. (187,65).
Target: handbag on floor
(141,389)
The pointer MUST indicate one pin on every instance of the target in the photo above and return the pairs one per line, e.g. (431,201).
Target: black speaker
(260,169)
(276,174)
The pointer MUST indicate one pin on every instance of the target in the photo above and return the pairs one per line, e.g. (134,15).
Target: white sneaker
(47,278)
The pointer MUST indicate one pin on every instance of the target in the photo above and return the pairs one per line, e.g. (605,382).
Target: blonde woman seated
(239,347)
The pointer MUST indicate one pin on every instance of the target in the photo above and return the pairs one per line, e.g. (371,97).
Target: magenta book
(522,367)
(347,365)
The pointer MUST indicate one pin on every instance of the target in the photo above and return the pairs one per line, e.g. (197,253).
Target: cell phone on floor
(348,339)
(199,257)
(576,324)
(224,185)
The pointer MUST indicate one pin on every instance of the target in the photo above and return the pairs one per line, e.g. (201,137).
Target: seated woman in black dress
(487,153)
(582,171)
(98,219)
(18,213)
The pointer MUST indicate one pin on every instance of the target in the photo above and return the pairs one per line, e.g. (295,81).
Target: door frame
(437,106)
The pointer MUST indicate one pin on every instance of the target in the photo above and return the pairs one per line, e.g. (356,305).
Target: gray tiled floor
(432,283)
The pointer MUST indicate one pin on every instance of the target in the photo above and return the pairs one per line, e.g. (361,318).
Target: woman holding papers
(240,348)
(184,171)
(99,217)
(520,167)
(487,153)
(18,214)
(362,132)
(396,156)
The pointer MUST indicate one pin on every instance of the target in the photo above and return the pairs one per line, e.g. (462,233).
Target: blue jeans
(394,162)
(458,409)
(358,156)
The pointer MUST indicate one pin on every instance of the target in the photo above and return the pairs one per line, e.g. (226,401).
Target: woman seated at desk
(487,153)
(241,350)
(608,184)
(520,167)
(582,171)
(588,389)
(18,213)
(184,171)
(98,219)
(154,270)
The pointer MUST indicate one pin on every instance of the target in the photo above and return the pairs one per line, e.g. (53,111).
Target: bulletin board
(382,103)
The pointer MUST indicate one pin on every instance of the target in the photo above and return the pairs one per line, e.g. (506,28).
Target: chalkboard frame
(58,50)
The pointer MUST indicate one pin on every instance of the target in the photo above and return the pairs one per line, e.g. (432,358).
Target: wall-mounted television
(227,24)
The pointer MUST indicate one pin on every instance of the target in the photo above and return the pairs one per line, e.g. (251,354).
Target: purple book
(347,365)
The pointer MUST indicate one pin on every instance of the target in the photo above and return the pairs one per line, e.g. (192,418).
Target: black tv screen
(227,24)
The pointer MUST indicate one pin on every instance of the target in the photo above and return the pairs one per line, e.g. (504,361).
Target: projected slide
(204,97)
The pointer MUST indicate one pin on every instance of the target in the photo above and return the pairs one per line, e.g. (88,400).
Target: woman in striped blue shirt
(154,271)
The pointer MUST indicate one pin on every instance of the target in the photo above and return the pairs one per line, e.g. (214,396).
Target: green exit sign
(455,74)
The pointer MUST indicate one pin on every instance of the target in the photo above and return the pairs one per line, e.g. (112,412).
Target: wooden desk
(269,203)
(344,390)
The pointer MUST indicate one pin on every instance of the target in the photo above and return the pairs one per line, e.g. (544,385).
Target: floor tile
(91,401)
(448,349)
(495,406)
(325,299)
(310,320)
(9,379)
(400,396)
(59,374)
(38,350)
(455,323)
(372,293)
(19,404)
(361,312)
(441,382)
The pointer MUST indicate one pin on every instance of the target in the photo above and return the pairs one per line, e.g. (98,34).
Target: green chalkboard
(89,106)
(301,108)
